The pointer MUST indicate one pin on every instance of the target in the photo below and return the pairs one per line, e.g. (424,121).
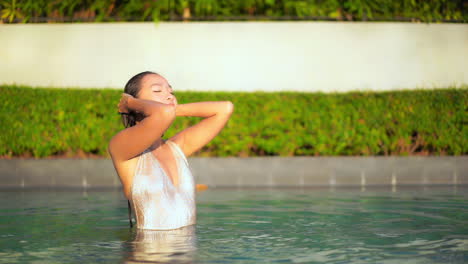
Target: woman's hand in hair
(123,104)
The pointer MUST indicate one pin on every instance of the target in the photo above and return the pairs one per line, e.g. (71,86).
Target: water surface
(316,225)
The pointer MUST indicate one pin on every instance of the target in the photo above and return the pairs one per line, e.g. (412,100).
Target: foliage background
(27,11)
(41,122)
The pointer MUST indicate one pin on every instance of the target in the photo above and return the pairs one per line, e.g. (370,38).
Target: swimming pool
(313,225)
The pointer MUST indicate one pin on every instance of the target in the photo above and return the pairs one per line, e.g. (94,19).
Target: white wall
(237,56)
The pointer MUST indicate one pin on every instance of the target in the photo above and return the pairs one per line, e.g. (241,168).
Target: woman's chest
(152,174)
(170,167)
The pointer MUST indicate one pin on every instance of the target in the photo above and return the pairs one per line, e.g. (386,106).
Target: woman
(154,172)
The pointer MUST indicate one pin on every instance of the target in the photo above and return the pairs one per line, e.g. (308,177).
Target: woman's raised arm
(216,115)
(132,141)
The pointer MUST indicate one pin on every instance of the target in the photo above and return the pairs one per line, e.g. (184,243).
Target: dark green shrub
(143,10)
(41,122)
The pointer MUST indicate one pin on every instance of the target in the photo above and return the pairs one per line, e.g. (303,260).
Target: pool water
(310,225)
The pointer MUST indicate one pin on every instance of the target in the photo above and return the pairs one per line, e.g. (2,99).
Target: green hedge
(142,10)
(41,122)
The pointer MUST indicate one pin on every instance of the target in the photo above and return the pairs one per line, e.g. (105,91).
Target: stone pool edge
(249,172)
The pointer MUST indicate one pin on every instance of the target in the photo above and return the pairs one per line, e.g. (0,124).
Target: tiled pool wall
(249,172)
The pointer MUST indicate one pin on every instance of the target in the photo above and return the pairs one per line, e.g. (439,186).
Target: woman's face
(156,88)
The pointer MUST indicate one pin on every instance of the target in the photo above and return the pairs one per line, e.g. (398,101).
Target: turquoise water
(410,225)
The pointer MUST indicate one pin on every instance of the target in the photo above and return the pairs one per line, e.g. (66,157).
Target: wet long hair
(132,88)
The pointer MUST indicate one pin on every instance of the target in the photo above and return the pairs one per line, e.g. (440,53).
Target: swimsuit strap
(177,149)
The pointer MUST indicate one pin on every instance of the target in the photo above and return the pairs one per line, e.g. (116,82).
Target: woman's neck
(158,143)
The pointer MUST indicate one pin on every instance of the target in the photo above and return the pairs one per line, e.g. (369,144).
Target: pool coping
(254,172)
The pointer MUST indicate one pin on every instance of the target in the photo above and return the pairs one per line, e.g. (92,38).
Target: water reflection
(163,246)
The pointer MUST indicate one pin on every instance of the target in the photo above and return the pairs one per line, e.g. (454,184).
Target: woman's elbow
(228,107)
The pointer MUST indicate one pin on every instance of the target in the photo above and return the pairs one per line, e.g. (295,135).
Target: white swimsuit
(157,202)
